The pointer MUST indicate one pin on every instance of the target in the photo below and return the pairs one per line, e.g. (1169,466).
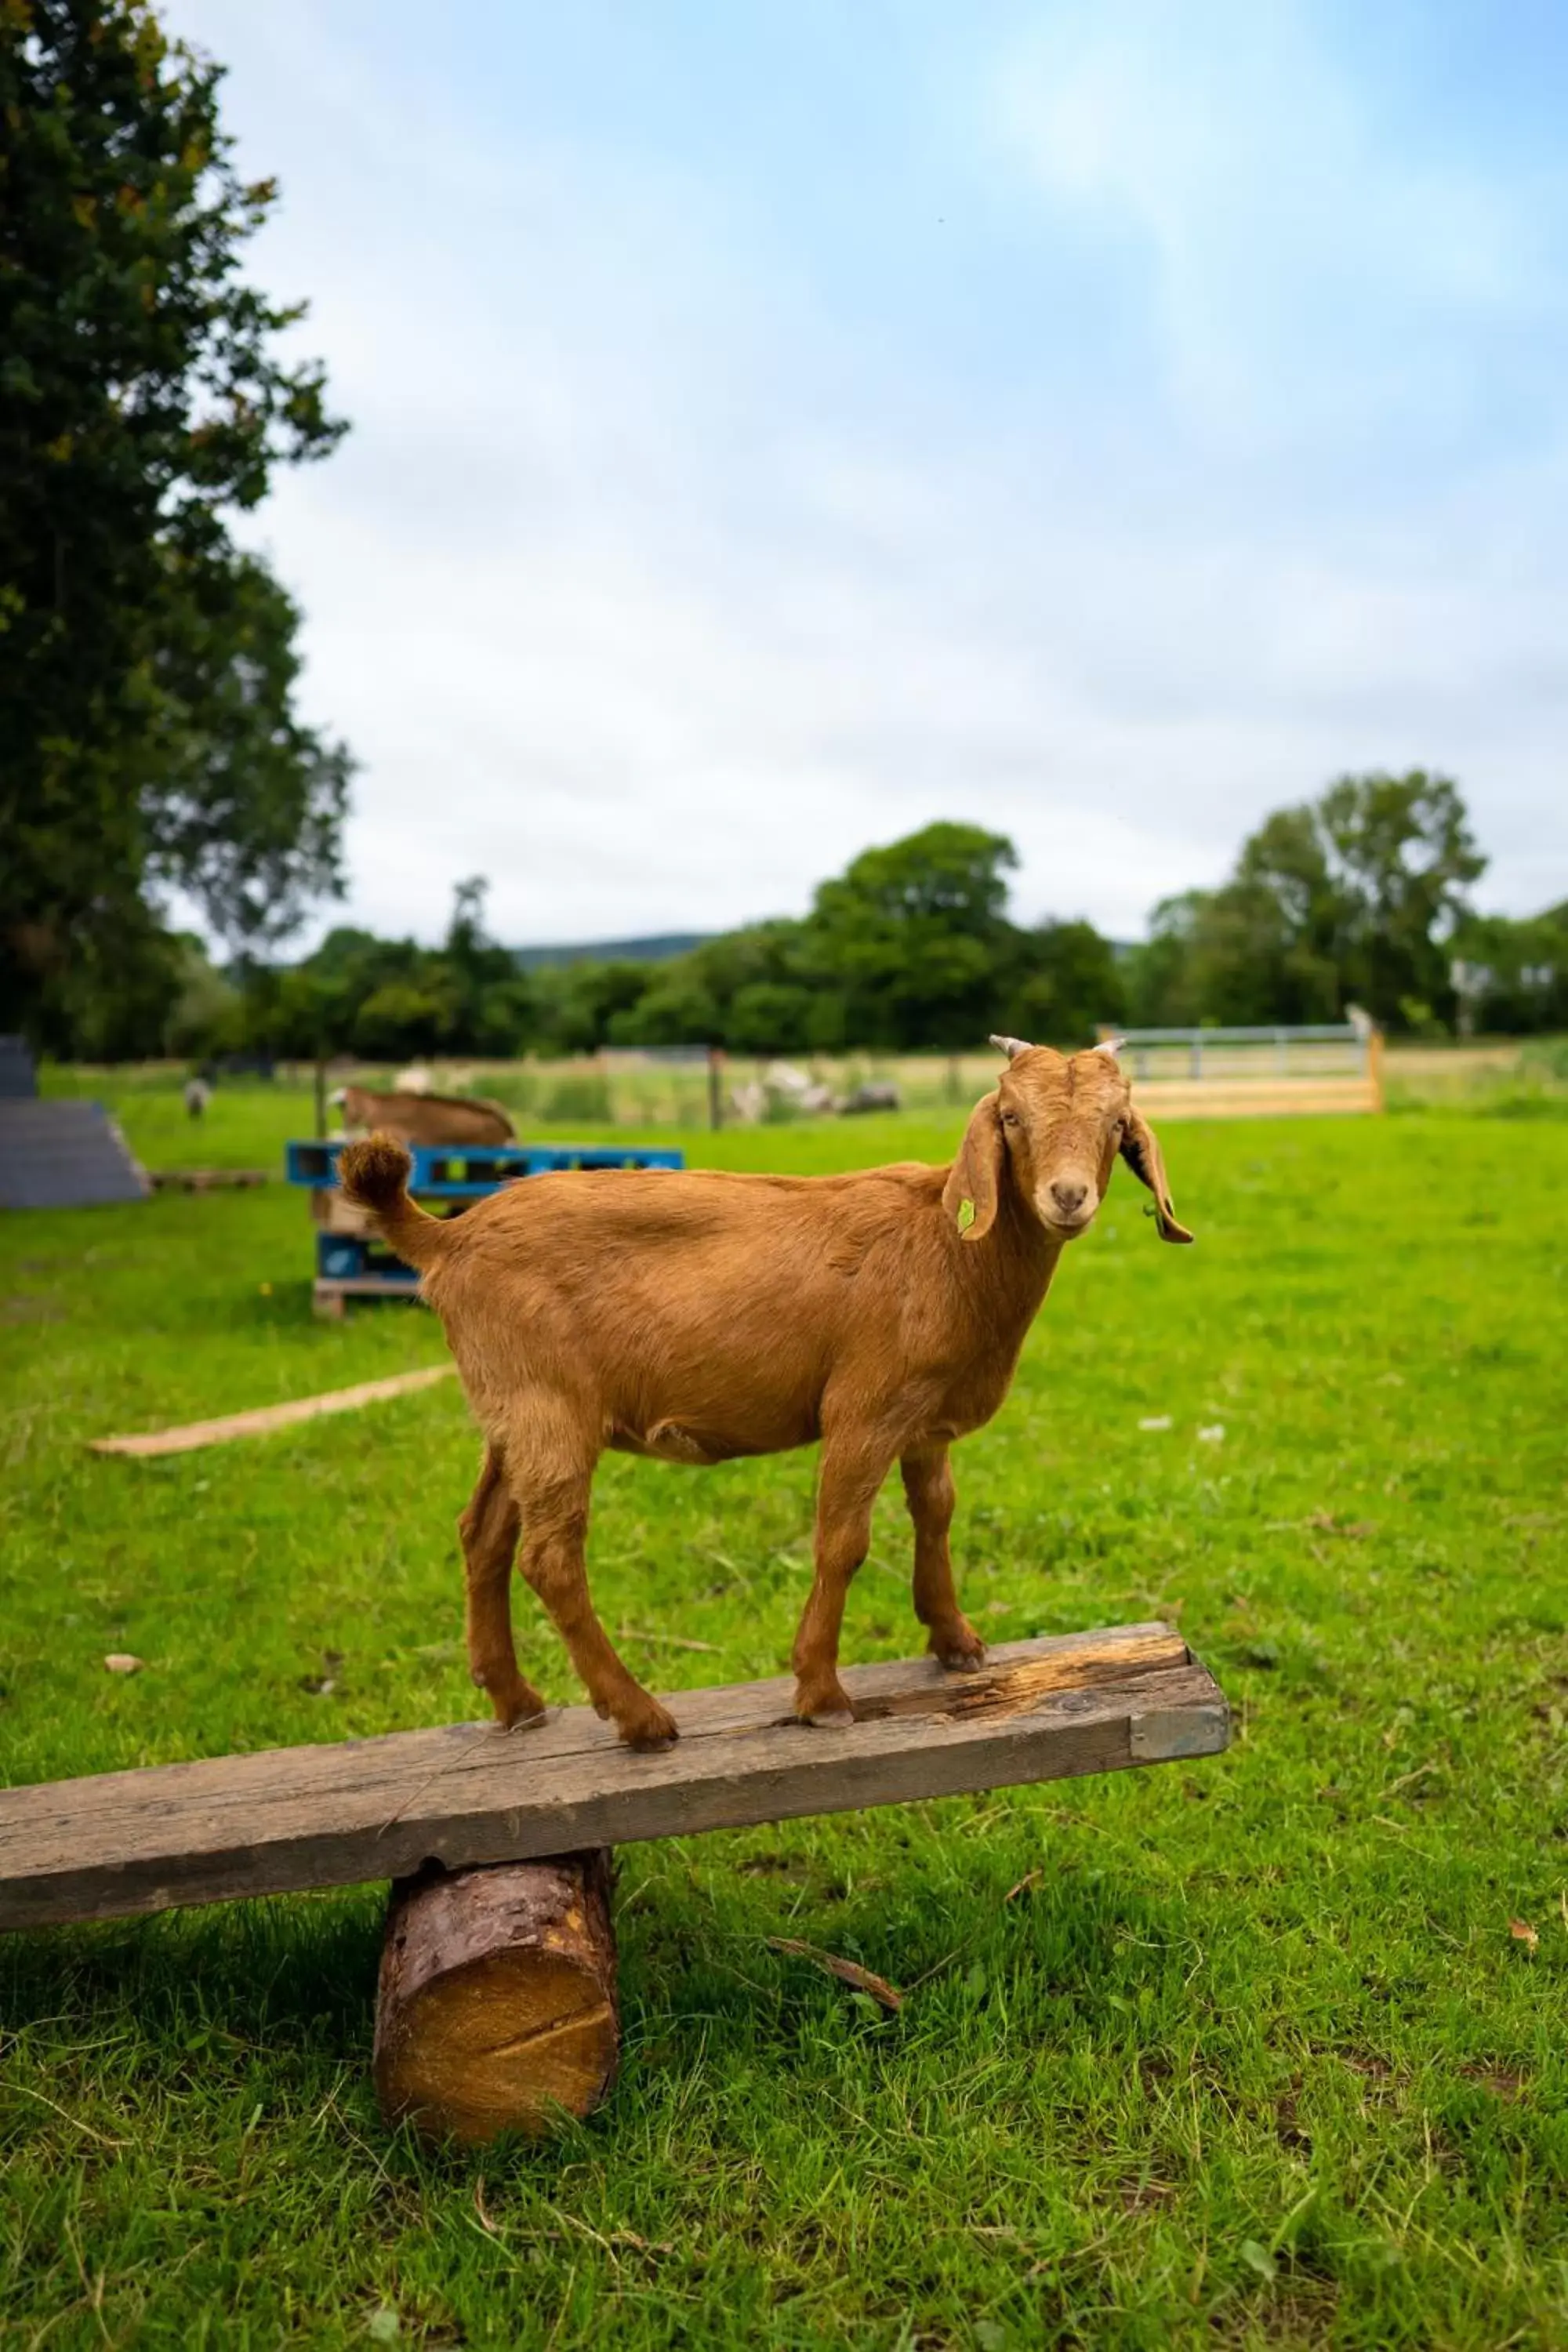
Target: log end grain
(497,2006)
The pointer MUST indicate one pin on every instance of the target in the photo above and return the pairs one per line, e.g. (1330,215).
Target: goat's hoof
(648,1726)
(959,1648)
(522,1707)
(828,1709)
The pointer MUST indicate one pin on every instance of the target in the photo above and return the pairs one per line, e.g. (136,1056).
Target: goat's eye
(1010,1118)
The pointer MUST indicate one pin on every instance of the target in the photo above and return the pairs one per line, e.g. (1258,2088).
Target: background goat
(420,1118)
(698,1315)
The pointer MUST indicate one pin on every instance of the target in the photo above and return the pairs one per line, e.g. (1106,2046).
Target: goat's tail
(374,1176)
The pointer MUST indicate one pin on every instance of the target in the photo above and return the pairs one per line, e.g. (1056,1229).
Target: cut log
(495,2008)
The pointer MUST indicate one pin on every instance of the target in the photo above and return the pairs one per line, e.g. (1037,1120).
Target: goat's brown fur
(427,1118)
(695,1317)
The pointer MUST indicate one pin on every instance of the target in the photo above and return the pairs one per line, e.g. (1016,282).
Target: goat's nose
(1070,1194)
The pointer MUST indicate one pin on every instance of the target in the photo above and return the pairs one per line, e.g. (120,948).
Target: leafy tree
(1159,969)
(1403,857)
(761,994)
(674,1008)
(147,669)
(576,1004)
(205,1015)
(915,936)
(1353,898)
(1069,983)
(493,1002)
(403,1018)
(771,1016)
(1512,976)
(910,948)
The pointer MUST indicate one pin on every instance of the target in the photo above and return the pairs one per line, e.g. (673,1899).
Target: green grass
(1242,2051)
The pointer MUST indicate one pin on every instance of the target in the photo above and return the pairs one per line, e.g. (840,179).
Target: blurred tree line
(1358,898)
(911,946)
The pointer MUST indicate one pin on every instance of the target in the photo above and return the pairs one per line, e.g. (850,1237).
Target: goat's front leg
(928,1491)
(552,1490)
(846,1492)
(488,1530)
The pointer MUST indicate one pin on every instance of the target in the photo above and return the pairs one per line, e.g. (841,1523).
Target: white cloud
(643,585)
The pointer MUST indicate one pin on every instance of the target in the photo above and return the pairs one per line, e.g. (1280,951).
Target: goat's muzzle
(1065,1204)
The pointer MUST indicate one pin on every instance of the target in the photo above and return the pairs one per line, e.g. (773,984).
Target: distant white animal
(807,1094)
(876,1095)
(197,1094)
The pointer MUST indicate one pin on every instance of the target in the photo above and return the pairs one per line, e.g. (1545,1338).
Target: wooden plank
(207,1180)
(333,1816)
(396,1282)
(269,1417)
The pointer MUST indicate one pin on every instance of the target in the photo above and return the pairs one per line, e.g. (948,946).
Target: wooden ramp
(60,1153)
(294,1818)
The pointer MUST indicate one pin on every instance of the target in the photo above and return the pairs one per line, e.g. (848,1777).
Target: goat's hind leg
(488,1530)
(928,1491)
(550,1475)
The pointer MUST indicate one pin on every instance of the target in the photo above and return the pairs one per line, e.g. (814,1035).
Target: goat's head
(337,1097)
(1050,1134)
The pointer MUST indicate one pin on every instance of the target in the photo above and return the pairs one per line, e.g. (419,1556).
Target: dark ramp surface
(16,1072)
(63,1155)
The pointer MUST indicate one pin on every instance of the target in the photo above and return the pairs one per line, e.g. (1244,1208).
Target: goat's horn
(1012,1047)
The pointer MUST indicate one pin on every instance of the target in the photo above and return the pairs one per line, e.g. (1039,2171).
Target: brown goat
(426,1118)
(697,1315)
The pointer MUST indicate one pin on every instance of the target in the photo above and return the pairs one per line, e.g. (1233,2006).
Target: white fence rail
(1224,1073)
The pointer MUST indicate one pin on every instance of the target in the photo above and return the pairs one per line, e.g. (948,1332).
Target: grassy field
(1266,2050)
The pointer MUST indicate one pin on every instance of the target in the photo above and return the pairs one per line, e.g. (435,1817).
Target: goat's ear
(976,1173)
(1141,1150)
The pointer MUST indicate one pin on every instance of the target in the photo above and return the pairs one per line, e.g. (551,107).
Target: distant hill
(658,950)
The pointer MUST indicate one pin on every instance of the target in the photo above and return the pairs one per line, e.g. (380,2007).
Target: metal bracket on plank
(1165,1734)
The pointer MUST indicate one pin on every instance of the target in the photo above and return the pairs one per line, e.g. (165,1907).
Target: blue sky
(776,425)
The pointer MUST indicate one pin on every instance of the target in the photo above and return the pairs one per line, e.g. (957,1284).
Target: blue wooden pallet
(345,1258)
(448,1172)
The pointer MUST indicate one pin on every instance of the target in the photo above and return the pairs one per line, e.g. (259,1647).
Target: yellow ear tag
(965,1215)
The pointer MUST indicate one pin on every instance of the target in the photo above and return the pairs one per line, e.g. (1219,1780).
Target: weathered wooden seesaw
(497,2002)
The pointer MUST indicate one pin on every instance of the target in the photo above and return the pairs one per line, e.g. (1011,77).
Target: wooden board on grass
(373,1809)
(207,1180)
(265,1418)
